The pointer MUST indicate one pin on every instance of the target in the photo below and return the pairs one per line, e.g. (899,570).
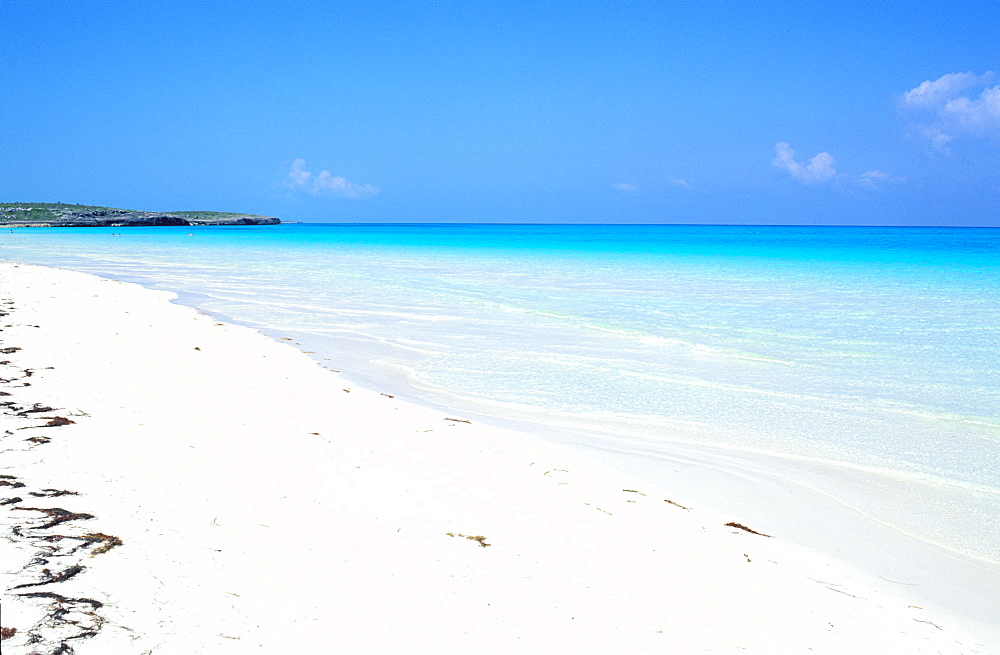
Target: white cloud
(872,178)
(979,117)
(941,111)
(822,168)
(325,183)
(819,169)
(677,181)
(936,93)
(878,179)
(622,186)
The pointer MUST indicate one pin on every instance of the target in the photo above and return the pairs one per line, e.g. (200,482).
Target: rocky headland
(20,214)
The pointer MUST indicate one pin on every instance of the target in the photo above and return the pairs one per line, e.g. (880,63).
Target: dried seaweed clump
(478,538)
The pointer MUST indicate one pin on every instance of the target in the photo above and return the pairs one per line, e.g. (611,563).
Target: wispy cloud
(943,110)
(823,168)
(677,181)
(819,169)
(877,179)
(628,188)
(325,183)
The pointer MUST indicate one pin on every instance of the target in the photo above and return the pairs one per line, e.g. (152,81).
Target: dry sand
(226,494)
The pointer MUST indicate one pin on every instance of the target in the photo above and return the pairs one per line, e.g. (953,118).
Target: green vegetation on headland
(49,214)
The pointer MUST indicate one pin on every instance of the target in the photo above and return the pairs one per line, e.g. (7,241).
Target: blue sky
(640,112)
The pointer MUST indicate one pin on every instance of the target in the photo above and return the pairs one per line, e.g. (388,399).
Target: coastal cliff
(20,214)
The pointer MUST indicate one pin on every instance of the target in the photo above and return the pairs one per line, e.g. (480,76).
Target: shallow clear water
(870,350)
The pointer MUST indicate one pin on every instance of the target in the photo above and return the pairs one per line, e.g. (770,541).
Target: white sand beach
(191,487)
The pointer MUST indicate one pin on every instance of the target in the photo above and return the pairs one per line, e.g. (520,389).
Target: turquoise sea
(864,363)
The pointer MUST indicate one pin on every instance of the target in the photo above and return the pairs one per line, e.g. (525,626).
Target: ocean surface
(862,363)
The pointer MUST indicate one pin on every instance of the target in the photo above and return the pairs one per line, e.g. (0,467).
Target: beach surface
(186,486)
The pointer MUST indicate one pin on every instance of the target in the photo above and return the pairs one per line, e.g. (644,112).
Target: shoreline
(814,503)
(842,484)
(265,503)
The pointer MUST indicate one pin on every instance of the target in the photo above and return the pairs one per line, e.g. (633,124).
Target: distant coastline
(36,214)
